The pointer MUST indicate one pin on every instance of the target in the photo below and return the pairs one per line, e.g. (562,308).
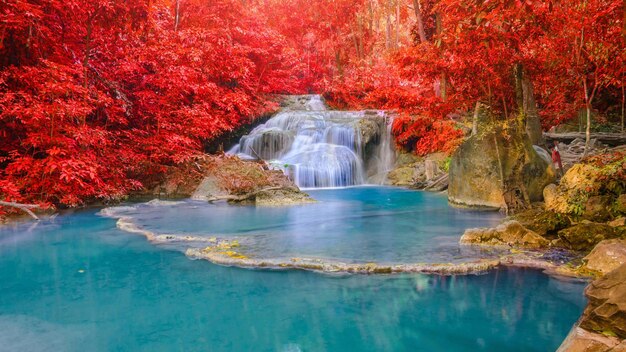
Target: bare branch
(24,207)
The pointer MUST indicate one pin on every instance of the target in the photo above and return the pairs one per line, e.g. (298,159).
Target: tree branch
(24,207)
(247,195)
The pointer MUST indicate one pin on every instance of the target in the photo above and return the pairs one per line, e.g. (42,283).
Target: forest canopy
(97,97)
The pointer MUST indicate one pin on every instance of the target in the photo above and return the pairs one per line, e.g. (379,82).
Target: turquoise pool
(355,224)
(78,283)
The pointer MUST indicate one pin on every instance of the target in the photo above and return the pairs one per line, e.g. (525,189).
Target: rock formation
(544,222)
(607,256)
(229,178)
(510,233)
(247,182)
(606,311)
(498,168)
(584,236)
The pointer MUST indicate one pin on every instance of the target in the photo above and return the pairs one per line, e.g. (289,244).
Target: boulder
(281,197)
(606,256)
(606,309)
(369,129)
(581,340)
(208,187)
(402,176)
(591,189)
(409,170)
(597,208)
(246,182)
(404,158)
(579,176)
(553,199)
(584,236)
(570,196)
(498,167)
(510,233)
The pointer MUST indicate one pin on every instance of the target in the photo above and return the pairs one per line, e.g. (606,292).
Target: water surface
(79,284)
(355,224)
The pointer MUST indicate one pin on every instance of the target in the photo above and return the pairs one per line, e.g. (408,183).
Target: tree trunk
(238,198)
(525,98)
(623,93)
(358,37)
(388,26)
(370,19)
(588,129)
(443,80)
(588,101)
(87,52)
(475,119)
(420,21)
(443,87)
(338,63)
(533,123)
(624,23)
(397,40)
(356,44)
(177,16)
(438,29)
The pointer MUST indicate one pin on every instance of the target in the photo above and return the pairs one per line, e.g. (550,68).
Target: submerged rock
(226,256)
(607,256)
(510,233)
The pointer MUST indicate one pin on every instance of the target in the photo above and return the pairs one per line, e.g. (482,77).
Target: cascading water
(317,147)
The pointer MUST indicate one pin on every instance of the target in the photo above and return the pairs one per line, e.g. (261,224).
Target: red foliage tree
(97,96)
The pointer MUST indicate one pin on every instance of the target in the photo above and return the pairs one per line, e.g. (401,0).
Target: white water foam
(320,148)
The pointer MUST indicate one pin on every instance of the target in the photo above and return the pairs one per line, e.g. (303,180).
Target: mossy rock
(544,222)
(597,208)
(620,204)
(406,158)
(510,233)
(585,236)
(494,164)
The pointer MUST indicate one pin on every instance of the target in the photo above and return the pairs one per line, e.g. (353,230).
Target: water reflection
(81,282)
(383,224)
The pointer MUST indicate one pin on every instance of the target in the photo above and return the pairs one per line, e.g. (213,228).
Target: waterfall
(318,147)
(384,157)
